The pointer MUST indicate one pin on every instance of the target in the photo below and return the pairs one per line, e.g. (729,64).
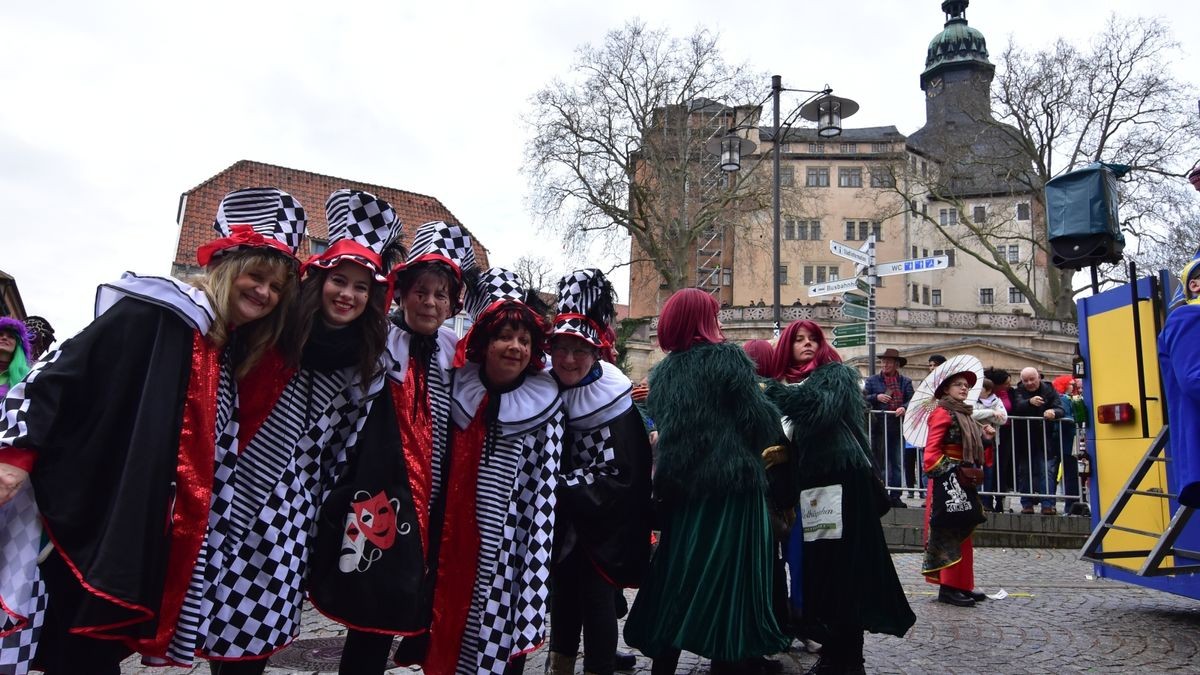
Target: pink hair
(689,317)
(762,354)
(785,369)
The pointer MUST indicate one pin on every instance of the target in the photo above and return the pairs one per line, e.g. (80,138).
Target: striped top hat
(361,226)
(444,243)
(585,306)
(259,217)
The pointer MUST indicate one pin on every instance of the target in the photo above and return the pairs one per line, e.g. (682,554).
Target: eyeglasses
(960,383)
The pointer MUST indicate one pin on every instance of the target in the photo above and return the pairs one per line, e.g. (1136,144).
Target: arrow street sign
(855,311)
(850,329)
(849,253)
(914,265)
(850,341)
(864,285)
(839,286)
(854,299)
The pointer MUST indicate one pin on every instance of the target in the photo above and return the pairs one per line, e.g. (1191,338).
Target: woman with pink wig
(709,586)
(843,580)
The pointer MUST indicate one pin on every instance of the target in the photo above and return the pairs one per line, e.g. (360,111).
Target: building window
(726,276)
(850,230)
(947,217)
(783,275)
(883,178)
(925,295)
(833,273)
(912,163)
(935,297)
(1014,254)
(817,177)
(816,148)
(924,210)
(814,230)
(877,230)
(808,275)
(789,229)
(879,147)
(821,277)
(924,168)
(318,246)
(1015,296)
(849,148)
(979,215)
(1023,211)
(987,296)
(948,252)
(787,176)
(850,178)
(916,290)
(863,231)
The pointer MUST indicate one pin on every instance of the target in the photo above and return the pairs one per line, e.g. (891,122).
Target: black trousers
(247,667)
(583,600)
(59,651)
(365,653)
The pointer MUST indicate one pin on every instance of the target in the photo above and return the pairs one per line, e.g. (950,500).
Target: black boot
(953,596)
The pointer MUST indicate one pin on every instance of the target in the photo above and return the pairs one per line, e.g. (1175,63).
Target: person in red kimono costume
(955,441)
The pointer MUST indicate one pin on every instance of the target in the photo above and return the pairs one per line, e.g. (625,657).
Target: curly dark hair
(510,313)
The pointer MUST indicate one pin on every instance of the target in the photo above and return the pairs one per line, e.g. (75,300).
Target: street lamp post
(821,107)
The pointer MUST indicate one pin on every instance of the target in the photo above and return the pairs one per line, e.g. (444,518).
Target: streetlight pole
(776,89)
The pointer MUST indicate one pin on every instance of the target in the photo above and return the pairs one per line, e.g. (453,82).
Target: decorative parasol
(916,415)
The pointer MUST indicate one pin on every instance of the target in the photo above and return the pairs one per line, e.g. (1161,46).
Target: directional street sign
(855,311)
(839,286)
(914,265)
(864,285)
(854,299)
(850,341)
(850,329)
(849,253)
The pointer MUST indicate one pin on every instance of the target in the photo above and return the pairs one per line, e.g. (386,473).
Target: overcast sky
(112,109)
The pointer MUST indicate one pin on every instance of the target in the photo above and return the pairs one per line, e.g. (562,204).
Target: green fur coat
(713,423)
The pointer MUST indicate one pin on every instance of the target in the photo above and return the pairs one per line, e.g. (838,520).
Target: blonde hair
(259,335)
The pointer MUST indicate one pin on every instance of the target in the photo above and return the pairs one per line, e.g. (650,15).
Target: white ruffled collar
(399,341)
(522,409)
(595,404)
(187,302)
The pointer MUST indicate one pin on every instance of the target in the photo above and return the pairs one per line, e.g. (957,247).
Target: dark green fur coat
(713,423)
(827,412)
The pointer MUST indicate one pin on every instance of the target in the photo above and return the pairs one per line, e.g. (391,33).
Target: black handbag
(954,505)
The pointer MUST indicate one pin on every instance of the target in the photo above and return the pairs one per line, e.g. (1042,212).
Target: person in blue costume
(710,581)
(849,584)
(1179,361)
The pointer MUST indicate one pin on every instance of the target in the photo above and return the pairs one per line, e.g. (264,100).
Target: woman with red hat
(126,487)
(953,460)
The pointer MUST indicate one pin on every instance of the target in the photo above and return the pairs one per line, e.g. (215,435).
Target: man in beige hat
(888,393)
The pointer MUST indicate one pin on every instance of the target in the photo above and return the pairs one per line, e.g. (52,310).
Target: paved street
(1056,619)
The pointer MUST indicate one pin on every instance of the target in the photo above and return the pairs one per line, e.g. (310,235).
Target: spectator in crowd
(888,393)
(989,409)
(1036,439)
(41,336)
(935,361)
(1005,453)
(1068,467)
(15,353)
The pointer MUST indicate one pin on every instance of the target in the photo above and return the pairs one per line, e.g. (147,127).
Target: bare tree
(1057,110)
(536,273)
(618,147)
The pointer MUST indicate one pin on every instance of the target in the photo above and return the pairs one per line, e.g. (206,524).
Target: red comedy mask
(376,518)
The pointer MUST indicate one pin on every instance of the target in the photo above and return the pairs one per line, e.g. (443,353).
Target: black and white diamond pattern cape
(245,596)
(604,493)
(384,595)
(367,223)
(137,317)
(269,211)
(515,513)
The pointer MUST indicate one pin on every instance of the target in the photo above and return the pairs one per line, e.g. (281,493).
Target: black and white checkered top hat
(256,217)
(494,284)
(441,242)
(361,226)
(585,306)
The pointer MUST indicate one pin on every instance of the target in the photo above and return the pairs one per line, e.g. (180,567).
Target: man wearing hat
(888,393)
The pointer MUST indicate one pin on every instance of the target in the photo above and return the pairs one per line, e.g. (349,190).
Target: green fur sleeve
(713,422)
(828,416)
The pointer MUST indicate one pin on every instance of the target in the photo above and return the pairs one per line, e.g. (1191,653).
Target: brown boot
(560,664)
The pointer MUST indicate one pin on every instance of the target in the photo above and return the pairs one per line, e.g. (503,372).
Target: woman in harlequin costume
(1179,363)
(373,543)
(847,582)
(489,602)
(708,590)
(296,408)
(118,431)
(602,524)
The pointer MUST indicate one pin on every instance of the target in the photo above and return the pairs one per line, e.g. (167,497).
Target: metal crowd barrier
(1034,461)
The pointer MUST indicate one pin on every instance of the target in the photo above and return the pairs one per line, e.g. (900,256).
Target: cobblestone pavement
(1056,619)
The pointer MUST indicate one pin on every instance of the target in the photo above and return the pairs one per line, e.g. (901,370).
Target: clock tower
(957,73)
